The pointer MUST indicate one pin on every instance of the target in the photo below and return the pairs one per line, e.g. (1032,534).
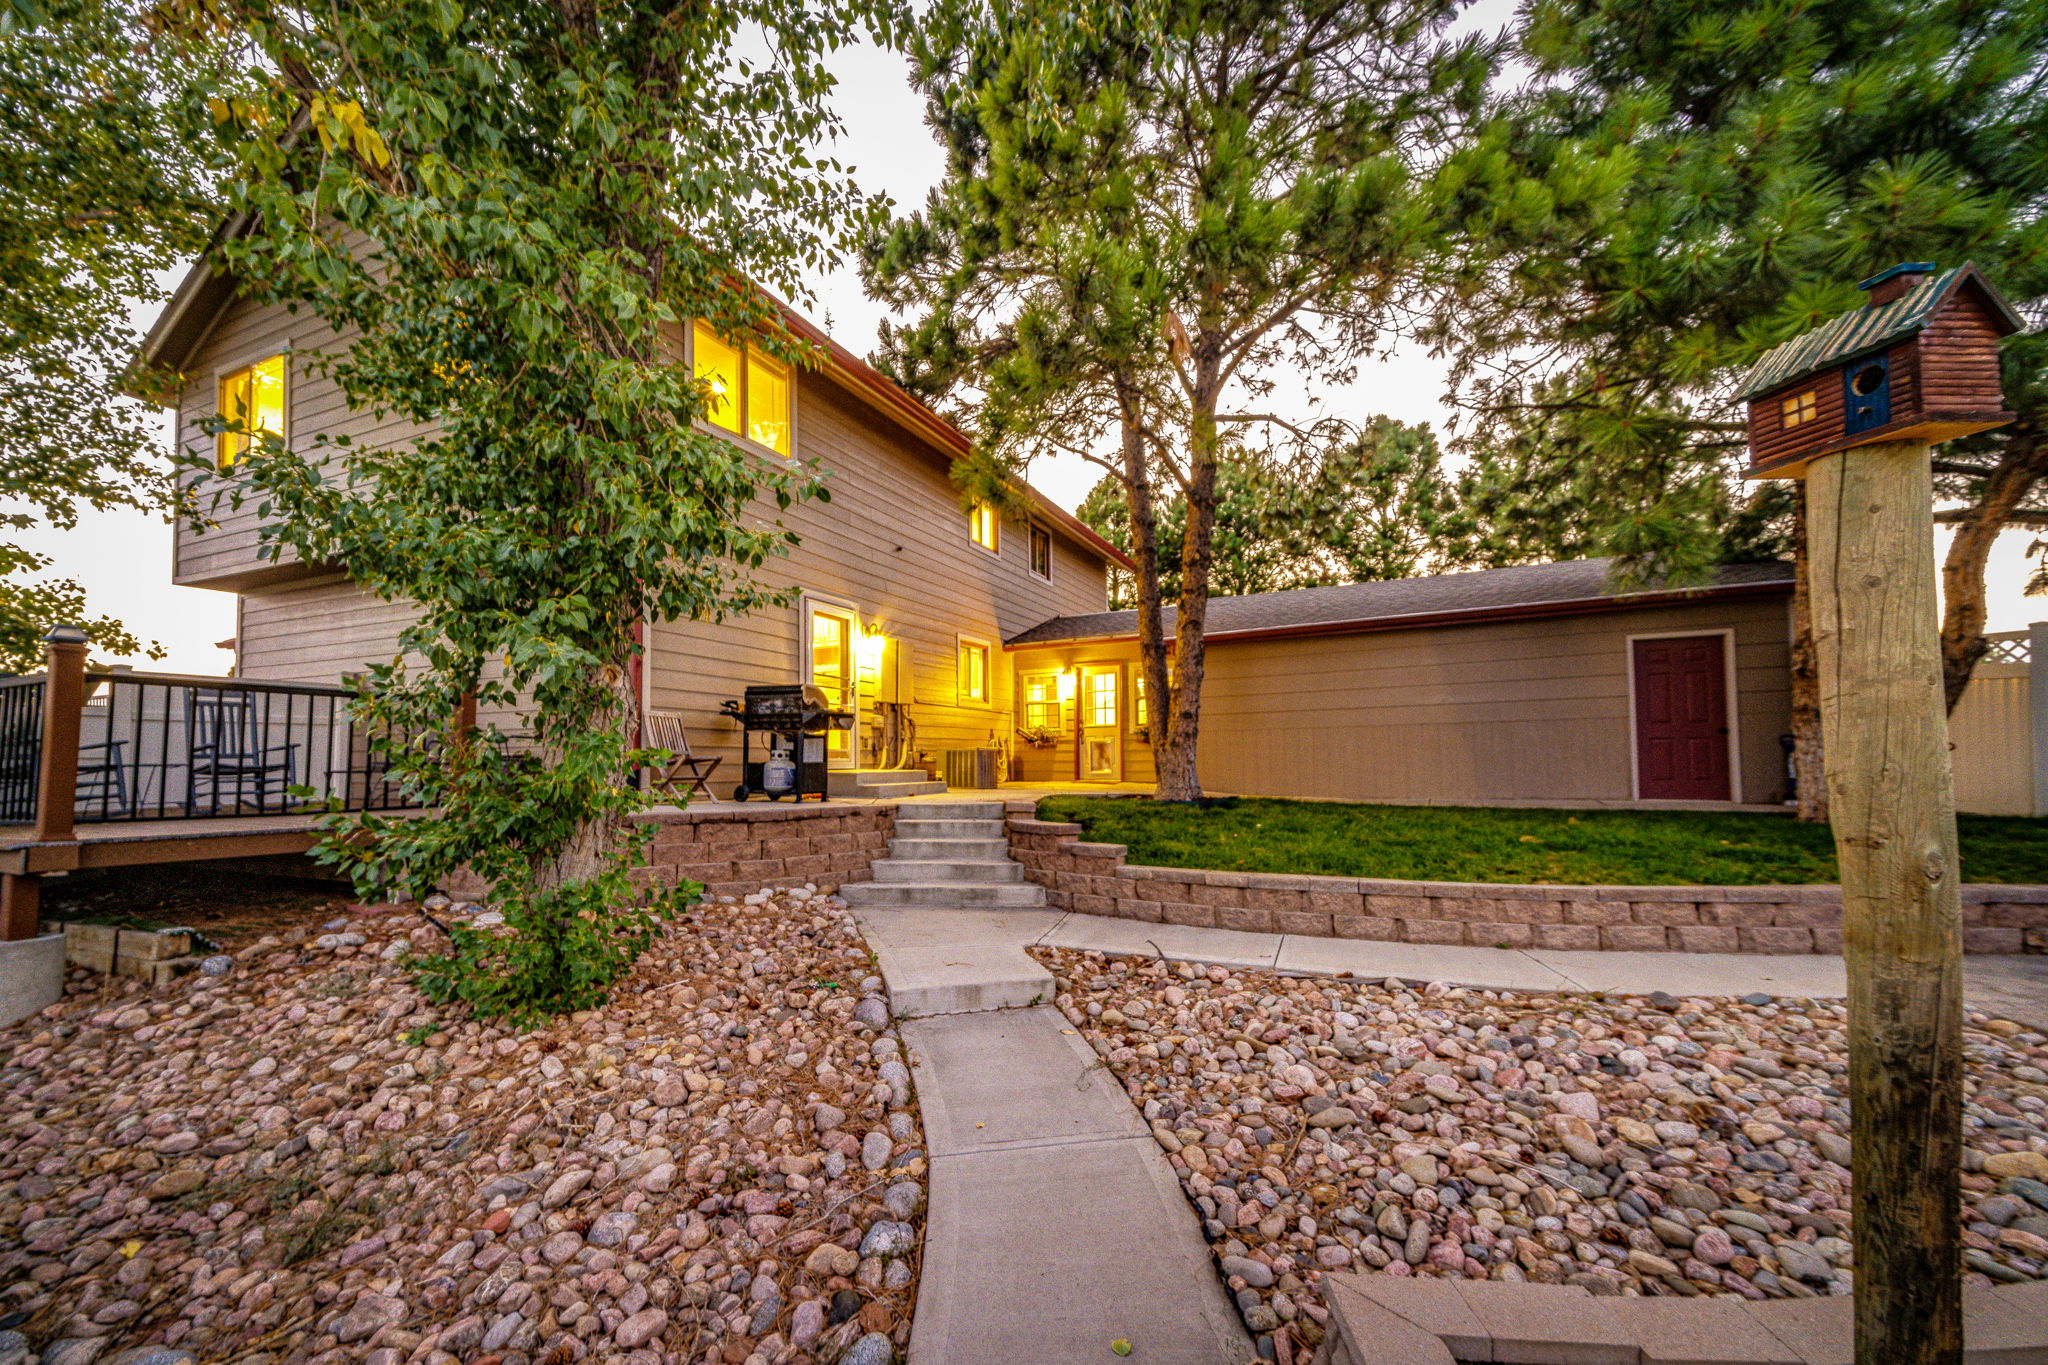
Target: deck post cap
(66,635)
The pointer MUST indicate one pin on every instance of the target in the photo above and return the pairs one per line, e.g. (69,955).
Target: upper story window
(1041,553)
(1801,408)
(974,666)
(253,399)
(750,392)
(981,527)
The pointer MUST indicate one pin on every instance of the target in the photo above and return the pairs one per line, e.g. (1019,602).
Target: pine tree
(1778,154)
(1147,208)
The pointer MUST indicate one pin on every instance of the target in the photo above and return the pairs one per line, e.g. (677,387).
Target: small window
(1801,408)
(1042,701)
(981,525)
(974,662)
(1041,553)
(750,393)
(1141,695)
(252,399)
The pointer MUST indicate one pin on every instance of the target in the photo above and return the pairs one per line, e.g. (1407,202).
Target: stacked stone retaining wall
(737,850)
(1093,879)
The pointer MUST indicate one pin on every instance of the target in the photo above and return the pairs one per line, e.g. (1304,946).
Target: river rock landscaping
(1628,1144)
(301,1160)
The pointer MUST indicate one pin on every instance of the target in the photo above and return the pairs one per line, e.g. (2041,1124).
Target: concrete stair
(880,784)
(947,855)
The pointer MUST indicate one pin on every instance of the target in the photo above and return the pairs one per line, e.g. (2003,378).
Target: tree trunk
(1145,553)
(587,852)
(2022,464)
(1808,769)
(1895,838)
(1179,779)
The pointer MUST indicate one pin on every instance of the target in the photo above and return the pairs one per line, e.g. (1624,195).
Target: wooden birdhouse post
(1852,407)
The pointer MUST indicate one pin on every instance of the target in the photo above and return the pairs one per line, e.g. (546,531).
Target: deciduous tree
(516,209)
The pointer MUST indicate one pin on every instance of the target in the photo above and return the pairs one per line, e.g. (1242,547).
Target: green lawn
(1486,844)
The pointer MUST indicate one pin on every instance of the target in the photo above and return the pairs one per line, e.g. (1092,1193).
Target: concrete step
(920,827)
(957,810)
(955,961)
(868,781)
(985,849)
(987,871)
(944,895)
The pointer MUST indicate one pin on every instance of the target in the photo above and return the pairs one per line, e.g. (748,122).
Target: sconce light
(1070,683)
(873,645)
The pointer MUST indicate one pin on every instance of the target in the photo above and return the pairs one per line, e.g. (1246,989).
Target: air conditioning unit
(971,767)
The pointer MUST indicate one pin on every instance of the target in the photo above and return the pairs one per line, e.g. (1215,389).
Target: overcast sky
(124,559)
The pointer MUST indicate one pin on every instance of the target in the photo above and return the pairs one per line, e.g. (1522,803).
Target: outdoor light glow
(873,644)
(1069,683)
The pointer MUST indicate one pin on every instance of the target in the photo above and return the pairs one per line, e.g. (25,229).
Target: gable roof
(1571,588)
(188,316)
(1868,329)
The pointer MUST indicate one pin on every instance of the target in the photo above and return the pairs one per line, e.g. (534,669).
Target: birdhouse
(1918,362)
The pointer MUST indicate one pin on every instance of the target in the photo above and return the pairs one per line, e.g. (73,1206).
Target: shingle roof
(1864,329)
(1582,583)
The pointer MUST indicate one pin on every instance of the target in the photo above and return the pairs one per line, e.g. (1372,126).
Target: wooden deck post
(21,906)
(63,713)
(1892,802)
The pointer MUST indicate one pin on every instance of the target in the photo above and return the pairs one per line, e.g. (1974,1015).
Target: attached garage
(1531,684)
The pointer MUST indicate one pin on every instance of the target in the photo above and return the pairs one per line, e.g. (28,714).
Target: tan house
(951,631)
(904,598)
(1539,683)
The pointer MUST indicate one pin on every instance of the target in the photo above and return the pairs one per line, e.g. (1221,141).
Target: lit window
(974,658)
(253,400)
(981,525)
(1141,695)
(1100,702)
(1802,408)
(1041,553)
(1042,701)
(749,393)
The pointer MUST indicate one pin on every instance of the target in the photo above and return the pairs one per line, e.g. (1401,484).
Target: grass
(1490,844)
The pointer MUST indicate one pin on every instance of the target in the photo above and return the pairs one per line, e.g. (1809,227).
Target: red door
(1681,719)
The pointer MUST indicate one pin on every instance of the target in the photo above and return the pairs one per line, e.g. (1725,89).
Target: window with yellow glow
(1802,408)
(981,525)
(749,393)
(1041,553)
(1141,695)
(1100,699)
(253,400)
(1042,701)
(974,661)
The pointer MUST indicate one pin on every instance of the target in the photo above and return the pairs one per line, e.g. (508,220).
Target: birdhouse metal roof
(1866,329)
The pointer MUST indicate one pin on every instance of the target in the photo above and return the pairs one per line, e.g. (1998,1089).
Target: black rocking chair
(228,751)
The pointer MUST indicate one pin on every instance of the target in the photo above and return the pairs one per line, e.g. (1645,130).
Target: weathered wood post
(1852,408)
(63,713)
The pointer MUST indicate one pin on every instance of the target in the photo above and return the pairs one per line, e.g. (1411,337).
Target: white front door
(831,667)
(1102,730)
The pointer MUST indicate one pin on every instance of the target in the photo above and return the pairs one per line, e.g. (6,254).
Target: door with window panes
(832,667)
(1102,730)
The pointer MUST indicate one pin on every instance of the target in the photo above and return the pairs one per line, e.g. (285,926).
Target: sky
(124,558)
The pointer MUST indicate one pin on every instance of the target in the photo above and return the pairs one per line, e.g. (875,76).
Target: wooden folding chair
(665,730)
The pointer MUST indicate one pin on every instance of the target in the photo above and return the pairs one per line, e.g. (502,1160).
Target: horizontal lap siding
(1527,710)
(892,544)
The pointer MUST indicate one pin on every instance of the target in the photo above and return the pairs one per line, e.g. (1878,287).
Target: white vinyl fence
(1998,733)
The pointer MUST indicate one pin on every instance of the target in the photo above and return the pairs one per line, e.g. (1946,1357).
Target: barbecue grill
(795,717)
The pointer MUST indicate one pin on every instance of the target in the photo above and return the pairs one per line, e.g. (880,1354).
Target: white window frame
(1730,699)
(744,442)
(988,678)
(1024,703)
(1033,531)
(249,360)
(808,602)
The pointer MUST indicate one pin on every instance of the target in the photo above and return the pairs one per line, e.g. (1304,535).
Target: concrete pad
(1430,1303)
(31,976)
(1376,1336)
(1547,1324)
(1703,1331)
(1015,1078)
(1488,968)
(2002,1329)
(939,962)
(1808,974)
(2004,987)
(1818,1331)
(1036,1255)
(1179,942)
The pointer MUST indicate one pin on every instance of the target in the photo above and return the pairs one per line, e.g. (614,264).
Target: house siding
(1515,711)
